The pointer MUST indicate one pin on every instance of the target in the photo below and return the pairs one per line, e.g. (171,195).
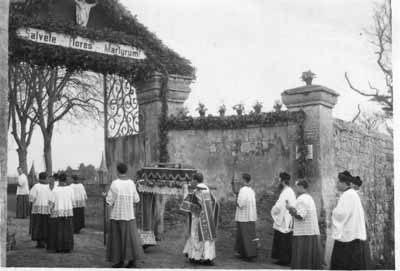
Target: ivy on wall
(126,30)
(269,119)
(233,122)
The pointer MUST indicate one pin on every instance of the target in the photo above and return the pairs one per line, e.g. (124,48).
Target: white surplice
(281,216)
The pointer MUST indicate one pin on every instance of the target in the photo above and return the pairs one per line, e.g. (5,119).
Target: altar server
(348,228)
(246,217)
(79,203)
(283,222)
(39,197)
(22,195)
(61,226)
(124,242)
(306,246)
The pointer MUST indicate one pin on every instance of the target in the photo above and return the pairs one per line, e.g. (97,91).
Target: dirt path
(90,252)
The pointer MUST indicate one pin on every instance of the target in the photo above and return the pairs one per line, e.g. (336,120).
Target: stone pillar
(3,127)
(149,100)
(317,102)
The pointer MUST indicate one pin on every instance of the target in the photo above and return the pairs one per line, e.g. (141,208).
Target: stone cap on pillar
(309,95)
(148,91)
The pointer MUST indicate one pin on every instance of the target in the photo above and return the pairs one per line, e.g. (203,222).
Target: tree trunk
(3,127)
(47,154)
(22,159)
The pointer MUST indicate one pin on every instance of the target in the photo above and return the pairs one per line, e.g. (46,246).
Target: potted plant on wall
(183,112)
(239,108)
(201,109)
(277,106)
(257,107)
(307,77)
(222,110)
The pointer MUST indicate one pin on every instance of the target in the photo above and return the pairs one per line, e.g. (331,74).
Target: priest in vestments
(283,222)
(203,211)
(348,231)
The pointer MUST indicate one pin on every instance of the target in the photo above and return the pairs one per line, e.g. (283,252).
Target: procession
(56,206)
(230,135)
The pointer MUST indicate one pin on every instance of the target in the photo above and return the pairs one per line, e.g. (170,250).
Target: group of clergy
(58,210)
(296,232)
(55,206)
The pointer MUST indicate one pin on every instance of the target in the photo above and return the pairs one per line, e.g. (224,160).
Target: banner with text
(102,47)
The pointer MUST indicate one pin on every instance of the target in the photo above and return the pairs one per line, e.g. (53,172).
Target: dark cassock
(61,227)
(349,232)
(80,198)
(283,223)
(246,217)
(23,207)
(203,210)
(39,197)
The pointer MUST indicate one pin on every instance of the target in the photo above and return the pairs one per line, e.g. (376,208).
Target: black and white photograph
(198,134)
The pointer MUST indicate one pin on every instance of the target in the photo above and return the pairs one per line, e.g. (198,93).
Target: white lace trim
(79,203)
(41,209)
(62,213)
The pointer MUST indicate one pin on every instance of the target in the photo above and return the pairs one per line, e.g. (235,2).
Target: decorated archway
(143,80)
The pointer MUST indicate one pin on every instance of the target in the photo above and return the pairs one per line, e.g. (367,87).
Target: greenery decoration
(125,29)
(234,122)
(277,106)
(239,108)
(257,107)
(304,169)
(201,109)
(222,110)
(307,77)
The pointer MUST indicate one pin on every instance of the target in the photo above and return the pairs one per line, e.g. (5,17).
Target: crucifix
(83,11)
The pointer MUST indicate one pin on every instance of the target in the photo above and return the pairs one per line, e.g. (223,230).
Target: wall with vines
(223,147)
(370,156)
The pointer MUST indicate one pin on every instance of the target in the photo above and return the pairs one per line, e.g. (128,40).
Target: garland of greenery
(304,169)
(233,122)
(239,122)
(135,34)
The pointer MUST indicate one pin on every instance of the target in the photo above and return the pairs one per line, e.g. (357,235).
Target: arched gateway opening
(143,81)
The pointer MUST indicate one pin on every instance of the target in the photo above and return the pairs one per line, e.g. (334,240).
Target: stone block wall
(263,152)
(370,156)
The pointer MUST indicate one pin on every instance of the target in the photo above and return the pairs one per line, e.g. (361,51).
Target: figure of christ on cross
(83,11)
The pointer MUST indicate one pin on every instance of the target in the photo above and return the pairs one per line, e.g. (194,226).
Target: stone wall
(263,152)
(370,156)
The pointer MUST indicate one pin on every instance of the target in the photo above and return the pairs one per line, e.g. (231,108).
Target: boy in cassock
(202,208)
(22,210)
(282,242)
(246,217)
(39,197)
(61,238)
(348,231)
(124,242)
(79,203)
(306,246)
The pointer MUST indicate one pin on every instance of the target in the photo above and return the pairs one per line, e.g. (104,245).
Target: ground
(89,250)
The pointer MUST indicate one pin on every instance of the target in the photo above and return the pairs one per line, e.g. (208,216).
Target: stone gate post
(149,100)
(317,102)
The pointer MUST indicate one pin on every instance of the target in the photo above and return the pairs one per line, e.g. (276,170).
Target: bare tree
(371,121)
(22,118)
(61,92)
(381,38)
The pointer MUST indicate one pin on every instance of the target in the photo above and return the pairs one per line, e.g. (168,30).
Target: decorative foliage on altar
(164,180)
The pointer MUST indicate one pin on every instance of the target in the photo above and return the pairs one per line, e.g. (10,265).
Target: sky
(244,51)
